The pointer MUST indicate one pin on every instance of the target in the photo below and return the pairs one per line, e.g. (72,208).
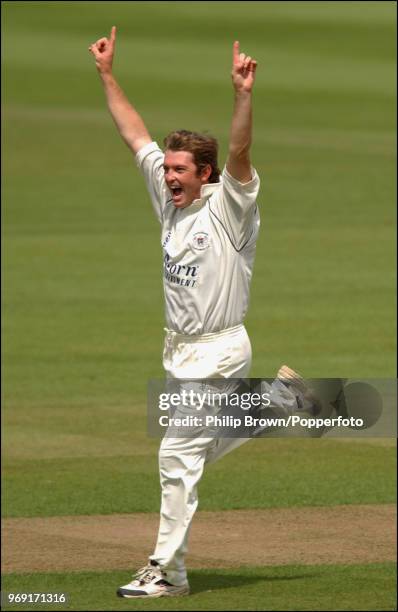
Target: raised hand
(103,51)
(243,70)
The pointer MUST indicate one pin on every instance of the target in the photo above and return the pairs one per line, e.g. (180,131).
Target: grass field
(339,587)
(82,308)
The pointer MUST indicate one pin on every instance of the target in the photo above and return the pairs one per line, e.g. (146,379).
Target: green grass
(291,587)
(82,310)
(262,474)
(81,243)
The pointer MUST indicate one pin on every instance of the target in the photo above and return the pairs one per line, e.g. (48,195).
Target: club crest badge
(201,241)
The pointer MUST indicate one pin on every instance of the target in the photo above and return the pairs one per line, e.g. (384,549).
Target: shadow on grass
(214,582)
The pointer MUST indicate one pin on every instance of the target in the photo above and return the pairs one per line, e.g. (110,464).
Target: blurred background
(82,275)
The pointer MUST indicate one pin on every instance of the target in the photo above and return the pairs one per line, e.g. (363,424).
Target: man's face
(181,176)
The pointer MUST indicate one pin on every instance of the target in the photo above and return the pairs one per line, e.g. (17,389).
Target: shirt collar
(206,190)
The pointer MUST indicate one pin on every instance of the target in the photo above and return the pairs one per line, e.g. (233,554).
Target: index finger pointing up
(236,52)
(113,34)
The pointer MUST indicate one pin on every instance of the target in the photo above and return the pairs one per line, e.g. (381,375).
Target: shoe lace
(145,574)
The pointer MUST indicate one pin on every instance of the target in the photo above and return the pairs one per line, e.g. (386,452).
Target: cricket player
(209,227)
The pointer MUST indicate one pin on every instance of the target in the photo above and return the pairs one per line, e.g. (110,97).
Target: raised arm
(127,120)
(243,76)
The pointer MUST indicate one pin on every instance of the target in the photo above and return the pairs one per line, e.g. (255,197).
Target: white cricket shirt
(208,248)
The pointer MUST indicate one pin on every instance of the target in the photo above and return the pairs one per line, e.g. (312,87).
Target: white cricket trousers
(226,354)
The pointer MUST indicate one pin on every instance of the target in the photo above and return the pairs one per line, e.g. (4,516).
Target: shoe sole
(155,595)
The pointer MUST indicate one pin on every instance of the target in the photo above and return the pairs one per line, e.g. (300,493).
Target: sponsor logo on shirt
(201,241)
(181,274)
(166,239)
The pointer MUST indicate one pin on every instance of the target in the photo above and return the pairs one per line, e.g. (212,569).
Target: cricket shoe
(150,581)
(305,397)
